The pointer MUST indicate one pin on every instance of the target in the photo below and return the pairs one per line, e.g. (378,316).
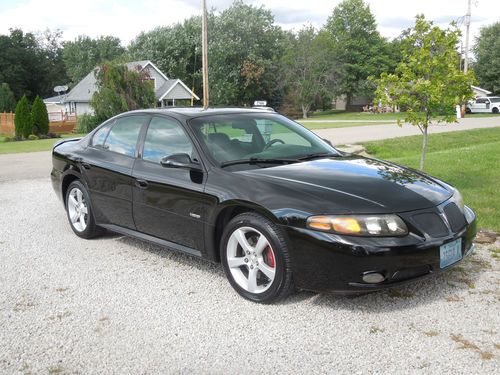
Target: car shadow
(447,286)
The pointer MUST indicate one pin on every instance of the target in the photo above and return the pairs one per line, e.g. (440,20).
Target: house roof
(58,99)
(168,88)
(84,90)
(486,92)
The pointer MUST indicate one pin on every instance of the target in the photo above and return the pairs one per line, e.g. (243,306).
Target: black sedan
(279,207)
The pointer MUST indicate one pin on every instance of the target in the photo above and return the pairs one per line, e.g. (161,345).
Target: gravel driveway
(117,305)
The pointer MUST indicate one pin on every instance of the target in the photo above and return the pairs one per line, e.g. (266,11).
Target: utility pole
(466,52)
(204,52)
(467,27)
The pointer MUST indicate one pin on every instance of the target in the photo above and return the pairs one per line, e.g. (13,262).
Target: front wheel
(495,110)
(255,258)
(79,211)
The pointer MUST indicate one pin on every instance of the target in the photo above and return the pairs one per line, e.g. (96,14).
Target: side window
(123,135)
(100,136)
(480,100)
(163,138)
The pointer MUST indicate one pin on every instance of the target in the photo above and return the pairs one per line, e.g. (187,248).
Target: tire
(79,211)
(262,273)
(467,110)
(495,110)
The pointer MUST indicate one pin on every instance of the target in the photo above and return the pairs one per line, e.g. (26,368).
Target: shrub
(23,122)
(32,137)
(40,116)
(7,101)
(86,123)
(8,139)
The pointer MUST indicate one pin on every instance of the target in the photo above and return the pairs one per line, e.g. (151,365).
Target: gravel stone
(115,305)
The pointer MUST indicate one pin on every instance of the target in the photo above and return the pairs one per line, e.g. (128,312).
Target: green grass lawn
(469,160)
(31,146)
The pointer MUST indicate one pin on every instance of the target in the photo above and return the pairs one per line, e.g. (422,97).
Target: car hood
(354,184)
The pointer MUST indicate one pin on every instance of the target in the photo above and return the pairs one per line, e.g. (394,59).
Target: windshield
(234,137)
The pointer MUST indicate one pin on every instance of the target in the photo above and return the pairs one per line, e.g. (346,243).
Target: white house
(478,91)
(167,91)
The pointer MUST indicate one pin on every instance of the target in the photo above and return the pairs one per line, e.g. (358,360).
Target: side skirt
(155,240)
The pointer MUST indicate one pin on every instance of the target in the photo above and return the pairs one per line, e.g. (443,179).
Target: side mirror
(327,141)
(180,161)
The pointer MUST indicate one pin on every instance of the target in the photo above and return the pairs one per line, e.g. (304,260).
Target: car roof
(192,112)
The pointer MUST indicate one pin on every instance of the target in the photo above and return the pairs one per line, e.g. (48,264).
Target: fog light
(373,278)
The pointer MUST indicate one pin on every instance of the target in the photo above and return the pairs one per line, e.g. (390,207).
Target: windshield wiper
(258,161)
(318,155)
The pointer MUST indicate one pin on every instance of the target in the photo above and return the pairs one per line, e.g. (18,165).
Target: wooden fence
(65,124)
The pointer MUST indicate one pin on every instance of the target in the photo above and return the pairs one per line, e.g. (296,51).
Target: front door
(107,168)
(480,105)
(168,203)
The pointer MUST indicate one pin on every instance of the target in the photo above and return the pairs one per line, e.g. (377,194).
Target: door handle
(141,184)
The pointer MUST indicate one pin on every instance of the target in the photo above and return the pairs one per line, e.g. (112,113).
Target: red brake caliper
(270,257)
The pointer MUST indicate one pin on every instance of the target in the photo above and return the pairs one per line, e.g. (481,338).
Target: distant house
(478,91)
(167,91)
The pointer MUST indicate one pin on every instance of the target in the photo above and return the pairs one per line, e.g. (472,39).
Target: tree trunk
(305,109)
(424,149)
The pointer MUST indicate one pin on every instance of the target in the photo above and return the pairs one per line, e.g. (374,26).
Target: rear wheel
(79,211)
(255,258)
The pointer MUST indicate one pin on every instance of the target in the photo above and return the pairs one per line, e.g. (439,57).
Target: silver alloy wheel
(77,209)
(251,260)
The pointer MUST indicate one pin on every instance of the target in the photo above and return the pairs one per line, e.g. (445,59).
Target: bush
(8,139)
(86,123)
(32,137)
(40,116)
(23,122)
(7,101)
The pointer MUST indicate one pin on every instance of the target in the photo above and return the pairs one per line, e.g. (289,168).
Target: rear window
(124,134)
(100,136)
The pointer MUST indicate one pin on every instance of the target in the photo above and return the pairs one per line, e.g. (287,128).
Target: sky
(127,18)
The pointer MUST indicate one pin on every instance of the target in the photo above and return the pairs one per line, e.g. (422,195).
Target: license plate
(450,253)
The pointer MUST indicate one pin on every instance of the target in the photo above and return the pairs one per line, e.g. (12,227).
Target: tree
(120,90)
(82,55)
(359,49)
(39,116)
(487,51)
(7,100)
(31,65)
(22,121)
(245,48)
(428,81)
(311,65)
(175,50)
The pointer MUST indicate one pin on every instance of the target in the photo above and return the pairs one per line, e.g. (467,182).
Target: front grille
(455,217)
(431,224)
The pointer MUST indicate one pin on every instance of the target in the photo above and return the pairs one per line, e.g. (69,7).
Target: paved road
(358,134)
(25,166)
(115,305)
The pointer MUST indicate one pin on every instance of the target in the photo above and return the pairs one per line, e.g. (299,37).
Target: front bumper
(325,262)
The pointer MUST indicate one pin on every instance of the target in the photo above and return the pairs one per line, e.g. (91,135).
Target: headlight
(359,225)
(459,200)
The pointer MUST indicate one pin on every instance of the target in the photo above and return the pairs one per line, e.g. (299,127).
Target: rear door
(107,168)
(168,203)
